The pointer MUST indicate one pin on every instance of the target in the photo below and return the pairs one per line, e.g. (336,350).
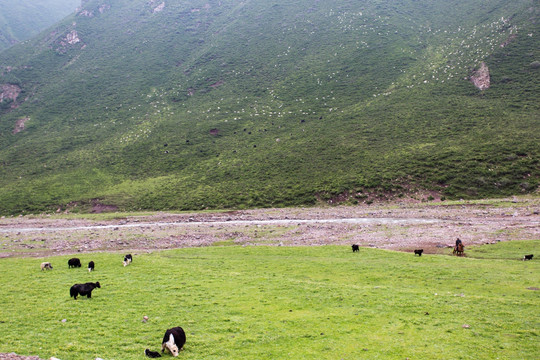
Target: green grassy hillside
(215,104)
(22,19)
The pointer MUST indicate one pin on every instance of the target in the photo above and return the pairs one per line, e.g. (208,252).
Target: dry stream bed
(397,226)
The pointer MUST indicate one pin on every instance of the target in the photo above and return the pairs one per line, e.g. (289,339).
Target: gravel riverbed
(396,226)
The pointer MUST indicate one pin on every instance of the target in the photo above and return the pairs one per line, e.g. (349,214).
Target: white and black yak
(91,266)
(74,262)
(46,266)
(83,289)
(526,257)
(173,340)
(127,260)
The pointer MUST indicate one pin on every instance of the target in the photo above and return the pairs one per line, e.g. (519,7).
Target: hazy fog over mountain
(22,19)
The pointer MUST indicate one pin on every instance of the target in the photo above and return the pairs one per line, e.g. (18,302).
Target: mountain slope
(20,20)
(188,105)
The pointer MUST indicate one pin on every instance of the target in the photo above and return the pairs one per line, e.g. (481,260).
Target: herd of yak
(175,338)
(459,250)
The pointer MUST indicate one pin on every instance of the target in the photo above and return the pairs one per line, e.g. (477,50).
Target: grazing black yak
(46,266)
(127,260)
(83,289)
(355,248)
(91,266)
(418,252)
(151,354)
(173,340)
(74,262)
(528,257)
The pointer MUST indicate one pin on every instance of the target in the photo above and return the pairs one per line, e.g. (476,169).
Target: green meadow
(321,302)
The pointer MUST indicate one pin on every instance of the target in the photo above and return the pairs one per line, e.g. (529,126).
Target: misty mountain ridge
(22,19)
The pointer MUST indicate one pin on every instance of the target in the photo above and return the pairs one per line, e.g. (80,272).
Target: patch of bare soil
(13,356)
(404,227)
(98,207)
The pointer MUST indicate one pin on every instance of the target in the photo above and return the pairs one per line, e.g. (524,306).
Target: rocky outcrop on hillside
(90,13)
(86,13)
(9,92)
(69,39)
(103,8)
(72,37)
(480,77)
(159,8)
(19,125)
(8,96)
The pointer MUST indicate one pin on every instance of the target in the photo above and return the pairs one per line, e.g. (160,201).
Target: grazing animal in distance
(83,289)
(127,260)
(151,354)
(46,266)
(91,266)
(528,257)
(74,262)
(355,248)
(418,252)
(173,340)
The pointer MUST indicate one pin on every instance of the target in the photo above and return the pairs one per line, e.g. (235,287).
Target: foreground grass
(278,303)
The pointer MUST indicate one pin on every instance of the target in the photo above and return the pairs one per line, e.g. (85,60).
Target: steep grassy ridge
(20,20)
(229,104)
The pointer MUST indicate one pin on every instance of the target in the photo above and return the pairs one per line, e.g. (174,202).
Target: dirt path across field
(431,226)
